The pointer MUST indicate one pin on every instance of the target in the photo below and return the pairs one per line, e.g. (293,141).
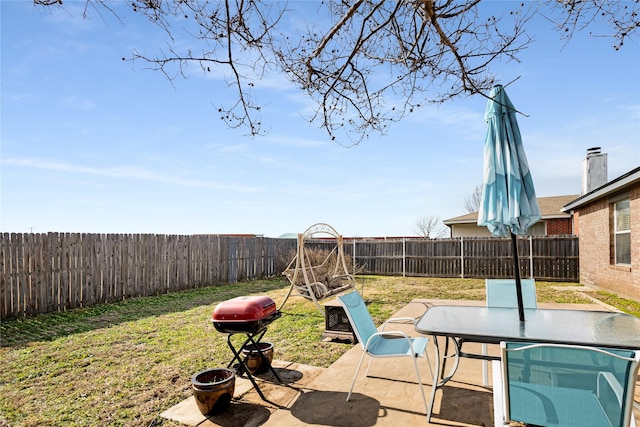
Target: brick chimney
(594,170)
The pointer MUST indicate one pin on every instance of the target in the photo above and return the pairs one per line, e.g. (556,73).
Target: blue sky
(91,143)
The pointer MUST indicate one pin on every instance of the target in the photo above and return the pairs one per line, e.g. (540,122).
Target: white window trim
(616,232)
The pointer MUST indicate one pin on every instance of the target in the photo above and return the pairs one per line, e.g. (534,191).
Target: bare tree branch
(365,64)
(473,201)
(430,227)
(428,53)
(569,16)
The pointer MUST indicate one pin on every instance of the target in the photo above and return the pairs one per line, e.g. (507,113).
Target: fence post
(531,257)
(354,257)
(462,257)
(404,257)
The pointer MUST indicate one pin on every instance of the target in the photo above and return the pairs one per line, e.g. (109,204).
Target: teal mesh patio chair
(382,343)
(591,386)
(502,293)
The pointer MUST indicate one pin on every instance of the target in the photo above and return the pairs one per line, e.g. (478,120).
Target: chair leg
(498,397)
(353,383)
(485,367)
(424,398)
(426,353)
(366,374)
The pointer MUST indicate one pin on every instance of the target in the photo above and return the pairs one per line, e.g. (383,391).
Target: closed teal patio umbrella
(509,205)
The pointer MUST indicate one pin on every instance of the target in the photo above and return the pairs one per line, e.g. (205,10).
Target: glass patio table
(491,325)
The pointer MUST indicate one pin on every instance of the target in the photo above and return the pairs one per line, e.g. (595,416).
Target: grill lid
(244,309)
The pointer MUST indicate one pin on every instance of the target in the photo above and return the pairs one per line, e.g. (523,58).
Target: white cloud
(77,102)
(124,172)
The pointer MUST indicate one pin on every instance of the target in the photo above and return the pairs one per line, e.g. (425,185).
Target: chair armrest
(392,334)
(408,320)
(398,335)
(607,378)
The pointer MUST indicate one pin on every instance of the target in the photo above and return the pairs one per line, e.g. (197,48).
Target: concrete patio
(389,396)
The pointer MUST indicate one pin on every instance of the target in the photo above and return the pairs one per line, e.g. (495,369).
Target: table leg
(439,378)
(456,361)
(444,358)
(435,379)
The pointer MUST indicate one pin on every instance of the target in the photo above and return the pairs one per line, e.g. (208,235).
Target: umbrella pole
(516,267)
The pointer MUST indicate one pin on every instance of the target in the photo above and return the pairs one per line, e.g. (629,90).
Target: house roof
(549,209)
(630,178)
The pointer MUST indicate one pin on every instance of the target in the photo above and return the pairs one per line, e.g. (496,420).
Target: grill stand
(242,366)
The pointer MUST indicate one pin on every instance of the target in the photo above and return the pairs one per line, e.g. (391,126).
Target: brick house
(553,221)
(607,222)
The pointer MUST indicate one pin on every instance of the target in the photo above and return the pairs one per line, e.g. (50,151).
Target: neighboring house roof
(549,209)
(288,236)
(620,183)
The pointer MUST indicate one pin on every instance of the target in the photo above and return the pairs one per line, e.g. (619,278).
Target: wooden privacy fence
(42,273)
(58,271)
(553,258)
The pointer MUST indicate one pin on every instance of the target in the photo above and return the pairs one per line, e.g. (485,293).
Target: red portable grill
(249,316)
(244,315)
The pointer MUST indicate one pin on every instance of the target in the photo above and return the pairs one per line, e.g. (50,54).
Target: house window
(622,232)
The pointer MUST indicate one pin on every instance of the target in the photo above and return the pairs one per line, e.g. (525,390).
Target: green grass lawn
(125,363)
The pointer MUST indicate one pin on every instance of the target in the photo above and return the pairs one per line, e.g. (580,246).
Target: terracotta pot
(252,357)
(213,390)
